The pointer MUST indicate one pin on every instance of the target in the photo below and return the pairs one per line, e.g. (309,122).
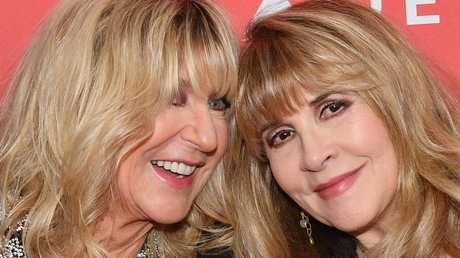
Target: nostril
(315,163)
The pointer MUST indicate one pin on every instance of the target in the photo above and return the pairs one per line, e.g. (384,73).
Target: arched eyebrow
(312,103)
(268,127)
(320,98)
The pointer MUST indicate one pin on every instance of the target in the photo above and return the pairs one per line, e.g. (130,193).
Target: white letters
(414,19)
(271,6)
(376,5)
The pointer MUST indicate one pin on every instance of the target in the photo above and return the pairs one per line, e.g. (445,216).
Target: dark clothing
(217,254)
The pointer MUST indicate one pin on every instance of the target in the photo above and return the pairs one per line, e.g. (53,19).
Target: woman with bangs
(342,127)
(112,126)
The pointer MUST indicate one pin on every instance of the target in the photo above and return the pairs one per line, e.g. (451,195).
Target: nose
(318,149)
(200,131)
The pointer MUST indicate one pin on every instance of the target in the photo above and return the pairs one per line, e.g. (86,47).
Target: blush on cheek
(367,132)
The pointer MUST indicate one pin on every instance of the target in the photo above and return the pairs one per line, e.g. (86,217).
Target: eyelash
(216,104)
(340,105)
(272,138)
(224,104)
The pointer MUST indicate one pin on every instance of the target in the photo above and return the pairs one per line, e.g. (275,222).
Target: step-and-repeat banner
(433,26)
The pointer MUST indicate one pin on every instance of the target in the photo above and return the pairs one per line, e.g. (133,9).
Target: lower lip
(172,180)
(339,187)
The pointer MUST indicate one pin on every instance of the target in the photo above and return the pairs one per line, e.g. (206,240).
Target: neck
(370,237)
(376,231)
(121,236)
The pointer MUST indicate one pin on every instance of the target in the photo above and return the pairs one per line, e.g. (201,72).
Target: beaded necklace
(13,248)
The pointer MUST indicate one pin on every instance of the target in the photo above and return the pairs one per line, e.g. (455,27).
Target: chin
(352,224)
(170,216)
(171,219)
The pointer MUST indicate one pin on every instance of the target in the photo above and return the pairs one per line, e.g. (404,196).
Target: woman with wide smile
(113,124)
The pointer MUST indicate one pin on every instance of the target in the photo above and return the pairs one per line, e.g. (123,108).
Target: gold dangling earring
(305,223)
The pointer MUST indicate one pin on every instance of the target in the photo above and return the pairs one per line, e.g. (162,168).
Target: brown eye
(280,137)
(333,108)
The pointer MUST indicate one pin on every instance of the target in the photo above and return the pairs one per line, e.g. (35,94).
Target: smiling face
(334,157)
(159,180)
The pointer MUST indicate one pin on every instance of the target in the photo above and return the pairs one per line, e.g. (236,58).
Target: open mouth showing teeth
(178,168)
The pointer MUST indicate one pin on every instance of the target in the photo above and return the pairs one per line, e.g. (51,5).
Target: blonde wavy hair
(336,45)
(85,94)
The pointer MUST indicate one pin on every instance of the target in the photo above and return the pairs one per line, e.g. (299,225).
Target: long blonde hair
(336,45)
(84,95)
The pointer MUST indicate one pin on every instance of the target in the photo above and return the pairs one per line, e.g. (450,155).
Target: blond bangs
(180,43)
(207,50)
(278,66)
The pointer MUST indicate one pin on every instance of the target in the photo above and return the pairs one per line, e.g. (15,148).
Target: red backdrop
(429,24)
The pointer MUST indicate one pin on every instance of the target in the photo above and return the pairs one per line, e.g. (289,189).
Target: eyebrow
(320,98)
(267,127)
(314,102)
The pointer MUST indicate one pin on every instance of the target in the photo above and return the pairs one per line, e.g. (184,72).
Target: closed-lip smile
(338,185)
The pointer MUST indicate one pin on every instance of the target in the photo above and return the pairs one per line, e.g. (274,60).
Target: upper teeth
(175,167)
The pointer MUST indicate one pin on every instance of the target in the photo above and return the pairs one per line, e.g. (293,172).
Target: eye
(279,137)
(333,108)
(180,99)
(218,104)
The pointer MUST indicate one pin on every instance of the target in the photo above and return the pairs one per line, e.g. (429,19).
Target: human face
(334,157)
(159,180)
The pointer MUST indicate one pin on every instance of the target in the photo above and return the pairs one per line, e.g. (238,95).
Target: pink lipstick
(337,185)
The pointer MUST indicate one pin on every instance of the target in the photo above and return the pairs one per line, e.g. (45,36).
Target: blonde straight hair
(84,95)
(336,46)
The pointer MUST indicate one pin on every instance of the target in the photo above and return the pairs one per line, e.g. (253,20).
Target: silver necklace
(14,248)
(147,252)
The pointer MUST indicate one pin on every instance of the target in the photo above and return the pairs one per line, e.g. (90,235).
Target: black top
(217,254)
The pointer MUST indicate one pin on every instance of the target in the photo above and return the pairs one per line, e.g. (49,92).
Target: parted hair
(84,95)
(339,46)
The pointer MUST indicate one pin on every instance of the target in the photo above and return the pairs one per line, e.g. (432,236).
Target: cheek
(221,127)
(165,126)
(286,172)
(368,134)
(127,172)
(372,140)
